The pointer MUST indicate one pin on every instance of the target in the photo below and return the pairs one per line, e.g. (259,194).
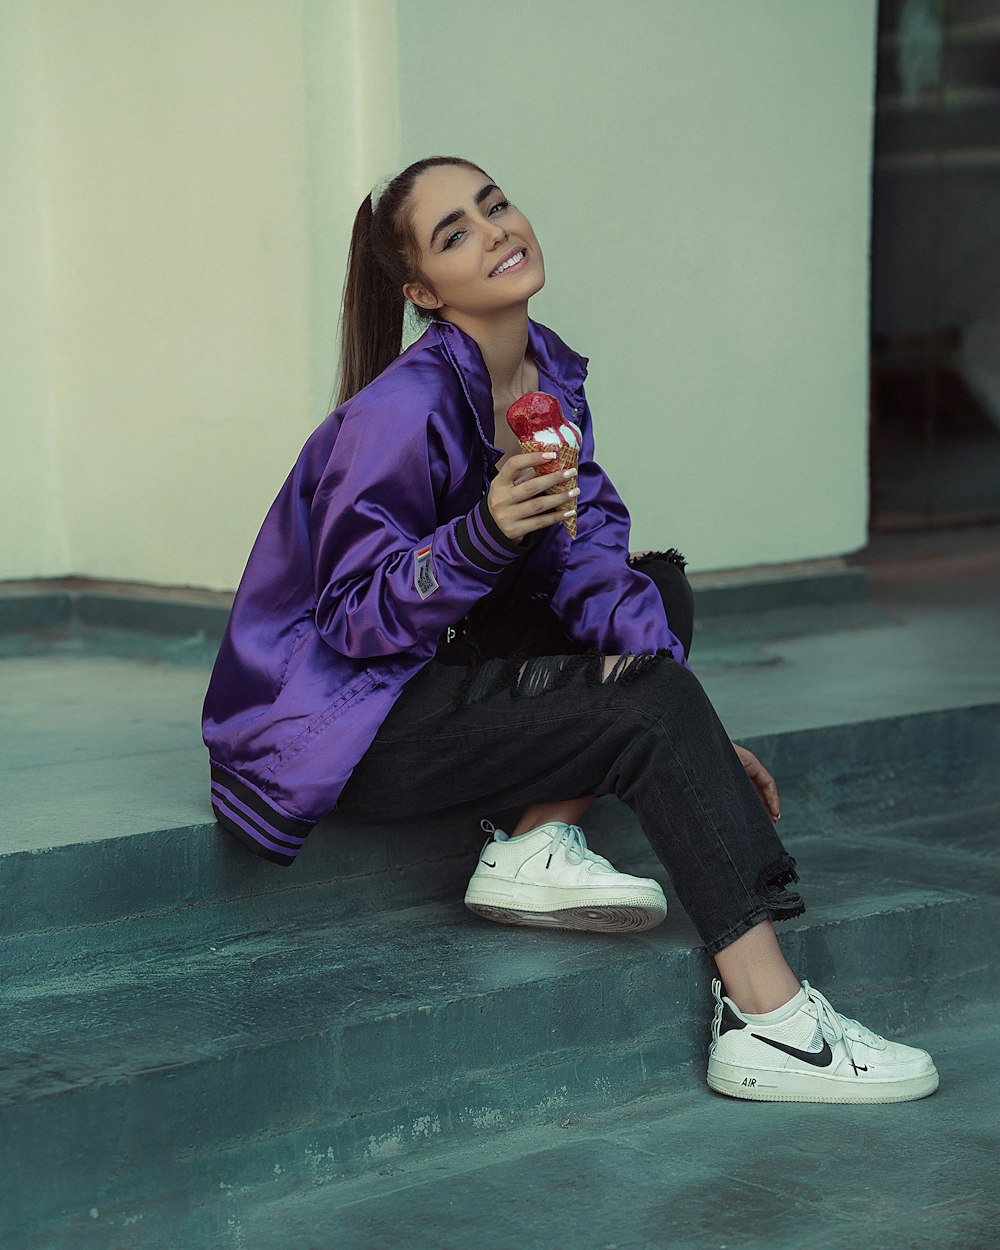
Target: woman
(416,630)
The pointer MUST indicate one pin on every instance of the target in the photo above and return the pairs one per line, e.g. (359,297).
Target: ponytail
(372,321)
(384,256)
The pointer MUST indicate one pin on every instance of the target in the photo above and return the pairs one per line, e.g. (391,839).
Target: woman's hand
(762,779)
(517,496)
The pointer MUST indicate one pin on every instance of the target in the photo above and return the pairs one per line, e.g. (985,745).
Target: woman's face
(478,254)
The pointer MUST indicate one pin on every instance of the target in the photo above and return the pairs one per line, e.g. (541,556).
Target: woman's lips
(501,270)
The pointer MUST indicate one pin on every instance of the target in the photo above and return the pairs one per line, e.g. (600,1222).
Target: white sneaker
(548,877)
(807,1052)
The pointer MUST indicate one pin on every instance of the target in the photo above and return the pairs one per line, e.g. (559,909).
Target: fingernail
(568,472)
(550,455)
(572,512)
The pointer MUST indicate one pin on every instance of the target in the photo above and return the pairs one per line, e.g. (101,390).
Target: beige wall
(699,178)
(186,176)
(33,537)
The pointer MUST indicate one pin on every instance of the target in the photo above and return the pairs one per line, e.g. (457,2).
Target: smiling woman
(469,248)
(417,630)
(461,234)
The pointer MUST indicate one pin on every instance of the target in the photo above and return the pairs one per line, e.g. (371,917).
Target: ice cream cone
(538,421)
(567,459)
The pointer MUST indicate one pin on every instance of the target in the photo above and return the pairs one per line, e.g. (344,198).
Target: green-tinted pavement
(112,717)
(680,1168)
(691,1170)
(194,1031)
(929,638)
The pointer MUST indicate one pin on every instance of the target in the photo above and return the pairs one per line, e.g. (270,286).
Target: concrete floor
(693,1171)
(81,717)
(928,639)
(100,738)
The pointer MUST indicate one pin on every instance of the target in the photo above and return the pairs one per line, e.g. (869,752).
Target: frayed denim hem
(777,903)
(672,554)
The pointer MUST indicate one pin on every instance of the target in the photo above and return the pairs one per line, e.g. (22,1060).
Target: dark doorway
(935,304)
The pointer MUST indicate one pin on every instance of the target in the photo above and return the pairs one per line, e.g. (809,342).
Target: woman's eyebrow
(457,214)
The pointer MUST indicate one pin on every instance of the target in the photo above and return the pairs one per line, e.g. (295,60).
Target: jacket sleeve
(389,577)
(601,601)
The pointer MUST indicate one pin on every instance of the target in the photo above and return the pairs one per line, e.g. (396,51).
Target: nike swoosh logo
(487,863)
(818,1058)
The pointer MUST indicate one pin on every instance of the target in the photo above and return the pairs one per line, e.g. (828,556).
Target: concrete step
(189,1032)
(202,1051)
(140,1192)
(683,1168)
(836,778)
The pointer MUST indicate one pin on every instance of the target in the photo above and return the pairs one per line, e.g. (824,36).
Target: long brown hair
(384,255)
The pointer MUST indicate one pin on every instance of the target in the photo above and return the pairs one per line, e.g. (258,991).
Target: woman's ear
(422,296)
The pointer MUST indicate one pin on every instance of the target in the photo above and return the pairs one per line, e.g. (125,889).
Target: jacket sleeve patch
(424,581)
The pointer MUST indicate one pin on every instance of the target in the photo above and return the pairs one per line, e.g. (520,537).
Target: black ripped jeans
(471,727)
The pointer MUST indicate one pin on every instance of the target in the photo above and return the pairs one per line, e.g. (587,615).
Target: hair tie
(380,188)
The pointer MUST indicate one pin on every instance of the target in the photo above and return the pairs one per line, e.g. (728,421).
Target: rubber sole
(618,918)
(761,1085)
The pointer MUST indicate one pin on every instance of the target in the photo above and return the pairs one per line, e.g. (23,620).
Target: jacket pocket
(347,698)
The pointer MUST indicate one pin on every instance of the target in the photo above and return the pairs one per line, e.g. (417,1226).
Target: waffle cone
(568,458)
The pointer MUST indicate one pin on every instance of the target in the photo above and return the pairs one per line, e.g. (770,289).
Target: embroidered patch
(423,572)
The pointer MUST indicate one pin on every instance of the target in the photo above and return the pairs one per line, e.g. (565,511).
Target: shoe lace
(719,1007)
(839,1027)
(490,829)
(571,836)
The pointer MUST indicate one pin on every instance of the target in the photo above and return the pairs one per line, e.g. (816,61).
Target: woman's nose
(495,231)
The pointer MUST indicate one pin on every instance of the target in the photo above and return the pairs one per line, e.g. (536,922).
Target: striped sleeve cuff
(245,814)
(483,542)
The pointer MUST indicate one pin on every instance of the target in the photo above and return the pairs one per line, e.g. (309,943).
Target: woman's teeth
(513,260)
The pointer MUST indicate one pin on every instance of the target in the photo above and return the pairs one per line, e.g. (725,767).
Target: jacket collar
(554,359)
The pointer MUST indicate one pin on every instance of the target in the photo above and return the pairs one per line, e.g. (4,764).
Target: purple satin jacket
(379,540)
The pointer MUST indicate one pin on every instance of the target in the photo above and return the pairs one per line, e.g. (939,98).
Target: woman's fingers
(519,498)
(765,784)
(538,490)
(529,467)
(536,484)
(514,465)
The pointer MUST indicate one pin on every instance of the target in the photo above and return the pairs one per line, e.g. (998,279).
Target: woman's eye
(456,234)
(498,205)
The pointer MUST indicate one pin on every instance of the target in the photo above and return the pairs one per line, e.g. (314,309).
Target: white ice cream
(566,435)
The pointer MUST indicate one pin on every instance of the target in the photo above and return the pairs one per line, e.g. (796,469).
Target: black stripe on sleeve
(494,530)
(279,823)
(472,552)
(285,861)
(224,807)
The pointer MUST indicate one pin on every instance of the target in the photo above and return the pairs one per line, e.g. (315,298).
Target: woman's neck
(503,340)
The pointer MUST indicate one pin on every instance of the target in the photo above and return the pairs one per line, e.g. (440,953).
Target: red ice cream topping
(534,411)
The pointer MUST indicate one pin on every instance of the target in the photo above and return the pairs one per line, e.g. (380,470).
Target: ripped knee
(619,667)
(538,675)
(549,672)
